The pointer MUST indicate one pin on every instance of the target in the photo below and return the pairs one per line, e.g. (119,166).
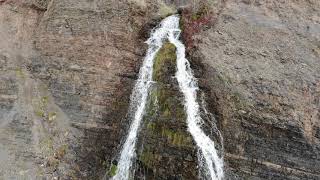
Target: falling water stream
(168,29)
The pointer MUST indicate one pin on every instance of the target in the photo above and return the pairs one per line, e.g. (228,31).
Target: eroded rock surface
(67,70)
(62,71)
(262,70)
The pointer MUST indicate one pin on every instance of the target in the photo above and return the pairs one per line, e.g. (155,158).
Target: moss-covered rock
(113,170)
(165,142)
(165,62)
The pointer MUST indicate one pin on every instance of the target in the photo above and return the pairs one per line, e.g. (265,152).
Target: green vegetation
(20,73)
(45,100)
(151,126)
(194,20)
(52,116)
(113,170)
(146,158)
(149,158)
(165,58)
(240,102)
(165,114)
(203,10)
(41,106)
(177,138)
(39,113)
(164,68)
(224,79)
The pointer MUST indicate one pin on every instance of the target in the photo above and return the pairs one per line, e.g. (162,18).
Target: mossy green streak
(165,115)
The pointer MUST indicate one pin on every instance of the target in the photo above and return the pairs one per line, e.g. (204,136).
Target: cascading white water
(188,86)
(168,29)
(139,97)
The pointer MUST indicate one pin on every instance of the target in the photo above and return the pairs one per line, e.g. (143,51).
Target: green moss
(168,103)
(20,73)
(165,115)
(166,57)
(146,158)
(164,68)
(41,106)
(53,162)
(39,112)
(177,138)
(119,105)
(203,11)
(52,116)
(167,112)
(153,103)
(151,126)
(113,170)
(45,100)
(149,158)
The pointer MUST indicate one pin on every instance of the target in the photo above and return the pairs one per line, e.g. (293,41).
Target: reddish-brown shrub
(192,22)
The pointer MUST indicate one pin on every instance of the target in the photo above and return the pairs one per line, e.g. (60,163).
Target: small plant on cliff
(193,21)
(113,170)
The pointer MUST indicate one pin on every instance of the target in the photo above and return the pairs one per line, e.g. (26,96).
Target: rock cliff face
(67,69)
(262,71)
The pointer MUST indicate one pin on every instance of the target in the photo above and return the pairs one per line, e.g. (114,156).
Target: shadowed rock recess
(67,69)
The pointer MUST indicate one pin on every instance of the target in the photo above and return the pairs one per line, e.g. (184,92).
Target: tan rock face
(67,70)
(262,71)
(63,73)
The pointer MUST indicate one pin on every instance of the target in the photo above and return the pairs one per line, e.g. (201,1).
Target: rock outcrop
(67,70)
(262,72)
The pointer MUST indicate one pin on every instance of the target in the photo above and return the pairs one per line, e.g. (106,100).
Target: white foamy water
(210,161)
(213,164)
(139,98)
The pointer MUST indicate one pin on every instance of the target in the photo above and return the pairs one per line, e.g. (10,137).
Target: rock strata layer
(262,70)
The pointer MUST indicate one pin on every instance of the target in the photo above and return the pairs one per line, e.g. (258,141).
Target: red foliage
(192,23)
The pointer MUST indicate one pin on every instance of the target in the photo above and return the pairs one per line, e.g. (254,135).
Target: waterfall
(188,86)
(139,98)
(169,29)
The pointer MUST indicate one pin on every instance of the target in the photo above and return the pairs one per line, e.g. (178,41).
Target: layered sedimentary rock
(262,71)
(67,69)
(64,69)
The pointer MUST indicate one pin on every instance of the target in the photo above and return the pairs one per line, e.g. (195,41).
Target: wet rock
(164,141)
